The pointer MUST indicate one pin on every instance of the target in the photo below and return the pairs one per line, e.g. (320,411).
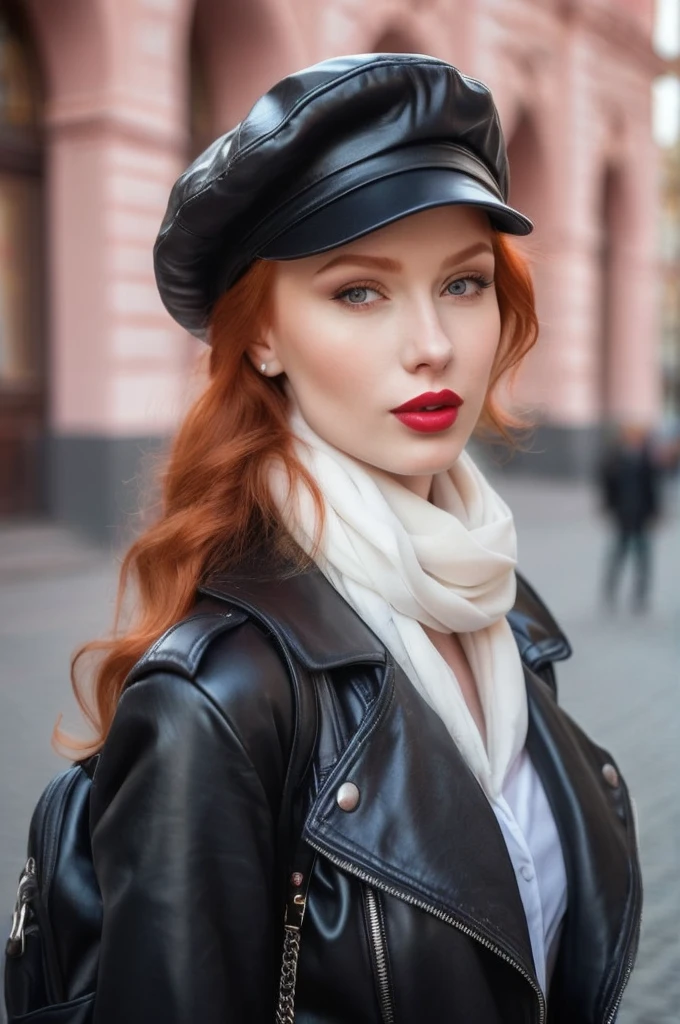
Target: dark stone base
(550,451)
(99,485)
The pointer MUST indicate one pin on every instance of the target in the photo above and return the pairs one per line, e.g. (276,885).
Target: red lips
(430,412)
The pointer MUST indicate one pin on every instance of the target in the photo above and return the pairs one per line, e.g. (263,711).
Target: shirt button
(527,873)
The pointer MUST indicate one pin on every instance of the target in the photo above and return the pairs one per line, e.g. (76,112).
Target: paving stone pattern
(622,686)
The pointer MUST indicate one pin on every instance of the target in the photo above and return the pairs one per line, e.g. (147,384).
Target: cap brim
(379,203)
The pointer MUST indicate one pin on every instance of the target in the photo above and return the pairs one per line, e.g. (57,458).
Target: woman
(321,710)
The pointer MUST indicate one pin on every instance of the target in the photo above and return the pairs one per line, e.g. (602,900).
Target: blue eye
(467,287)
(358,295)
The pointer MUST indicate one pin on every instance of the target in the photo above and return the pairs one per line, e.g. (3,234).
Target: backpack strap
(181,649)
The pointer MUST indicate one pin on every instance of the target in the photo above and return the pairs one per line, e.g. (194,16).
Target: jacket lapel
(594,820)
(458,868)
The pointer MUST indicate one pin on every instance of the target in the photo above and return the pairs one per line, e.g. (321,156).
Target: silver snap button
(610,775)
(347,796)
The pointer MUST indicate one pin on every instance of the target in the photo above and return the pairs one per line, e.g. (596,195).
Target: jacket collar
(539,638)
(308,613)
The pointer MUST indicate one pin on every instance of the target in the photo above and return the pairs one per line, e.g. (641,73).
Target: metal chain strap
(285,1013)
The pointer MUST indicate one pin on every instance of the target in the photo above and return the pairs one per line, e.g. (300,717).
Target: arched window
(19,104)
(201,119)
(22,399)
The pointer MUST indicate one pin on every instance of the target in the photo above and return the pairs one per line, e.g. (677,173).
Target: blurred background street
(621,685)
(104,102)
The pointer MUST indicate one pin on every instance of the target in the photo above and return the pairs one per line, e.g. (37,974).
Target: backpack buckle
(16,943)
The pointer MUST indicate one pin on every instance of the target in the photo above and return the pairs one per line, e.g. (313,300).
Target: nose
(426,345)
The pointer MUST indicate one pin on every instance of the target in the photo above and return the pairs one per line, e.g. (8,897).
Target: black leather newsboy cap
(326,156)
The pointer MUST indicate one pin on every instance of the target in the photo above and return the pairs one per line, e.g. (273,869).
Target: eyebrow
(385,263)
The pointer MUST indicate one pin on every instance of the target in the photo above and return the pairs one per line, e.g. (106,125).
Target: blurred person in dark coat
(629,481)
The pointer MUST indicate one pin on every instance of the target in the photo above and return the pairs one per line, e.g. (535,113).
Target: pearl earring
(263,367)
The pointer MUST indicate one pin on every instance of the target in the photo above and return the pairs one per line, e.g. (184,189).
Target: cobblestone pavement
(622,686)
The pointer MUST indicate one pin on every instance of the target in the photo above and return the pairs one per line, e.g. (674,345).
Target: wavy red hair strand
(215,501)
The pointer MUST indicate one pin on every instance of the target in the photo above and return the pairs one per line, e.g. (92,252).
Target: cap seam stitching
(303,102)
(346,192)
(306,100)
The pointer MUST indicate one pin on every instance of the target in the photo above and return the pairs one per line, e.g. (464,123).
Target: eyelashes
(358,286)
(344,294)
(480,280)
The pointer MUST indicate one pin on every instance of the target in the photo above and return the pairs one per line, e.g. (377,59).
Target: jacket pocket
(76,1011)
(378,943)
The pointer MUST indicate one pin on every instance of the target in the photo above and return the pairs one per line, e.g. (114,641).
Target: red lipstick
(430,412)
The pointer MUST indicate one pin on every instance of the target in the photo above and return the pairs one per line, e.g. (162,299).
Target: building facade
(103,102)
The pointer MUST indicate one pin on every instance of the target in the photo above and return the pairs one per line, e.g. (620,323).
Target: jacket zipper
(620,988)
(617,995)
(611,1017)
(379,941)
(351,869)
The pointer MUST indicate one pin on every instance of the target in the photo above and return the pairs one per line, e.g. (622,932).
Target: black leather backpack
(57,918)
(52,953)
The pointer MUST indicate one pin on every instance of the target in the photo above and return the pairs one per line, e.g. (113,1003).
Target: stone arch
(395,39)
(401,28)
(72,41)
(528,183)
(23,356)
(526,158)
(615,222)
(236,52)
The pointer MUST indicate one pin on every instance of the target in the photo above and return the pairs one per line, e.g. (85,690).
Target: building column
(635,374)
(117,138)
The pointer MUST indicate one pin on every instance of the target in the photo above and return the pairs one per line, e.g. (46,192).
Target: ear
(263,354)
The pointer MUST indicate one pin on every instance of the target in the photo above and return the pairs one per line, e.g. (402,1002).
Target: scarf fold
(403,562)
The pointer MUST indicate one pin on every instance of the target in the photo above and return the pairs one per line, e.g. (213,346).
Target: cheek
(481,345)
(321,358)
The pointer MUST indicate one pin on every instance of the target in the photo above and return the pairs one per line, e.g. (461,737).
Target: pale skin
(370,325)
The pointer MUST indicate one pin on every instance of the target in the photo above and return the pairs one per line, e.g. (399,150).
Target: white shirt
(530,834)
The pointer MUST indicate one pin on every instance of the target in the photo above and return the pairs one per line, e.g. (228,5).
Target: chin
(435,457)
(439,459)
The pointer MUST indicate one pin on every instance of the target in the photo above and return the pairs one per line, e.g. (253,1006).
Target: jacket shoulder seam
(182,647)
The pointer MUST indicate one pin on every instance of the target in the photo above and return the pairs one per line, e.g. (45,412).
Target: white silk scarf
(403,562)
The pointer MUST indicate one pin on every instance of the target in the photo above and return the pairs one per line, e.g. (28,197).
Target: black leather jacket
(413,913)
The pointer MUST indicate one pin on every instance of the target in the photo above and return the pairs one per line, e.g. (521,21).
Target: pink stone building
(102,102)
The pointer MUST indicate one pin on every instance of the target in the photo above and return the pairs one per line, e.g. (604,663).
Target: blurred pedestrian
(629,481)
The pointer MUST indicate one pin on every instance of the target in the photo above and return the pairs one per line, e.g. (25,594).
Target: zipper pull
(297,900)
(16,943)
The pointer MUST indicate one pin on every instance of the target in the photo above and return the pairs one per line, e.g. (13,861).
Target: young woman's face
(406,316)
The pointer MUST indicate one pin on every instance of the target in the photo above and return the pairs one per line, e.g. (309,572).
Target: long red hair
(215,503)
